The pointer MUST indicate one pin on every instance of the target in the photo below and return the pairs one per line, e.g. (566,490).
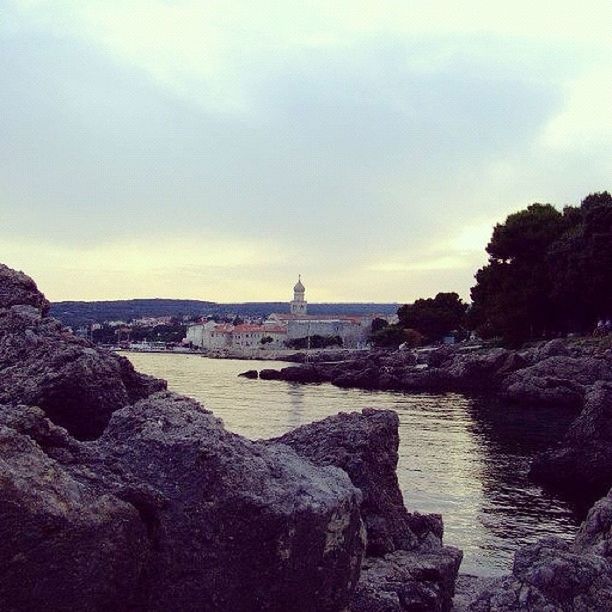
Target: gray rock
(17,288)
(66,542)
(408,568)
(252,374)
(552,574)
(408,581)
(76,384)
(559,380)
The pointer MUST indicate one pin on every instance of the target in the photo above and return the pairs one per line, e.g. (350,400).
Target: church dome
(299,288)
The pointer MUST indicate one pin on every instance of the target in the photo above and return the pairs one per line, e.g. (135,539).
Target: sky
(214,150)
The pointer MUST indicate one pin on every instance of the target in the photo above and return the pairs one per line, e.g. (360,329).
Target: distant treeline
(549,273)
(77,314)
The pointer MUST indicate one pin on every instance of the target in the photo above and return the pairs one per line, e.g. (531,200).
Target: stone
(169,511)
(559,380)
(407,567)
(76,384)
(16,288)
(243,525)
(252,374)
(408,581)
(365,446)
(552,574)
(66,543)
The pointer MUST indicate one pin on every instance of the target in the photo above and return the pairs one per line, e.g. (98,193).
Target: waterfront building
(280,328)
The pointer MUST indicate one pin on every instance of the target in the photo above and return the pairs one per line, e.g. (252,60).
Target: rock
(169,511)
(582,462)
(546,576)
(407,581)
(270,374)
(77,384)
(249,374)
(302,374)
(66,542)
(560,381)
(365,446)
(243,525)
(408,568)
(552,348)
(595,533)
(17,288)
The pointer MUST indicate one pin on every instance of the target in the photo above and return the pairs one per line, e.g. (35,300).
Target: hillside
(78,313)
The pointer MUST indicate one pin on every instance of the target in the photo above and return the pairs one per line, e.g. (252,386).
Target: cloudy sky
(213,150)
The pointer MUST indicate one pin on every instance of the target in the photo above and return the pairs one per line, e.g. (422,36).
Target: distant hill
(79,313)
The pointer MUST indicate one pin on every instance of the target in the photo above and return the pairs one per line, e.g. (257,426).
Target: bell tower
(298,304)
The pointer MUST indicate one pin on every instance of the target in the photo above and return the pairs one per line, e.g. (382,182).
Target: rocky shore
(119,495)
(557,373)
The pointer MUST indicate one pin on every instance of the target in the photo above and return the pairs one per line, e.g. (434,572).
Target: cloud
(368,145)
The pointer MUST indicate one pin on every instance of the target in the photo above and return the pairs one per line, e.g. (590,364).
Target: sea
(465,458)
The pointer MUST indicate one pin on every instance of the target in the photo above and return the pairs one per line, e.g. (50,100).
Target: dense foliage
(435,317)
(549,272)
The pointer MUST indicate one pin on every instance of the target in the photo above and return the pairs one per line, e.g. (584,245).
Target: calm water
(462,457)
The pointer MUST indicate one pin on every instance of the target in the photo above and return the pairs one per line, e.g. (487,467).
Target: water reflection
(295,416)
(464,458)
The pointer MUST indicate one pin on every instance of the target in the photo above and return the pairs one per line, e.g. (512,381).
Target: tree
(548,272)
(434,317)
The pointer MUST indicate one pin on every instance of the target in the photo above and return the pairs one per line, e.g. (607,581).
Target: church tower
(298,304)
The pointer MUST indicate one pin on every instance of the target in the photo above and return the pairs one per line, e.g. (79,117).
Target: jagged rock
(270,374)
(17,288)
(249,374)
(582,462)
(595,533)
(546,576)
(302,374)
(408,567)
(552,348)
(365,446)
(560,381)
(76,384)
(169,511)
(243,525)
(408,581)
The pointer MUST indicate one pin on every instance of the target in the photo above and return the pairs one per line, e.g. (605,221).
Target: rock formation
(41,363)
(407,567)
(162,508)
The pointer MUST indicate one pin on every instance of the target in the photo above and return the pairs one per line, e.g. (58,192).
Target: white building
(281,327)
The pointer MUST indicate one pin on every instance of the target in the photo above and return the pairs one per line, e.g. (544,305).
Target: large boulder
(582,462)
(41,363)
(17,288)
(365,446)
(242,525)
(407,567)
(168,511)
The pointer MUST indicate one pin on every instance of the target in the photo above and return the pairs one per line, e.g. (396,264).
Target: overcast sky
(215,150)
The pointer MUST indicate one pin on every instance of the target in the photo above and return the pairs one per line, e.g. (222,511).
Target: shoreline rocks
(406,566)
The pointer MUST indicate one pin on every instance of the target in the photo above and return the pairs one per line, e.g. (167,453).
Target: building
(298,305)
(353,331)
(280,328)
